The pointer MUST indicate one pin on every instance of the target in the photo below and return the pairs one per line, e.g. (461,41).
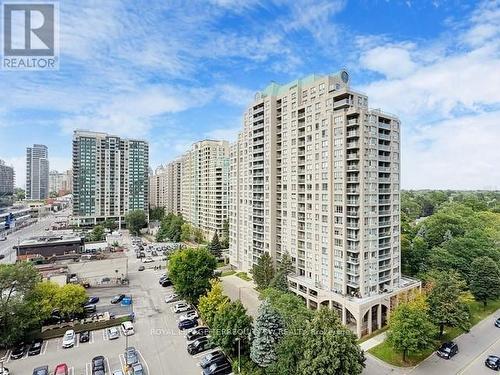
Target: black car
(118,298)
(84,336)
(497,322)
(92,300)
(197,333)
(18,351)
(447,350)
(35,347)
(222,367)
(187,323)
(166,282)
(98,365)
(200,345)
(42,370)
(493,362)
(210,358)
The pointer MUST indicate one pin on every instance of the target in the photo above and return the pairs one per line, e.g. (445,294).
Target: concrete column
(307,303)
(344,315)
(379,316)
(330,304)
(370,321)
(359,323)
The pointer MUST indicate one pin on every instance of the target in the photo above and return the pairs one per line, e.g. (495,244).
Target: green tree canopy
(485,280)
(136,220)
(70,298)
(211,302)
(215,247)
(447,300)
(190,271)
(329,347)
(231,323)
(97,233)
(409,328)
(280,279)
(263,271)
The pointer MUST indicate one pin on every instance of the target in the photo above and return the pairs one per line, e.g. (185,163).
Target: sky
(174,72)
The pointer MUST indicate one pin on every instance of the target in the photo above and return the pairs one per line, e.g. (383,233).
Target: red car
(61,369)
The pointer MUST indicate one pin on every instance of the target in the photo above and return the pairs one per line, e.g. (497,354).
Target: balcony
(352,213)
(352,145)
(384,147)
(385,126)
(343,103)
(385,137)
(353,121)
(354,156)
(353,167)
(384,158)
(352,133)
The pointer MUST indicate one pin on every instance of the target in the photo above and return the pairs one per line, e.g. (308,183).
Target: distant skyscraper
(6,179)
(37,172)
(165,187)
(110,177)
(60,182)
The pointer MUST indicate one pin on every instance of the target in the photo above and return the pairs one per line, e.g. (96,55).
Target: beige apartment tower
(315,174)
(165,187)
(204,185)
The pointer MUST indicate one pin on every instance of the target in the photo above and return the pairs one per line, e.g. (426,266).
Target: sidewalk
(236,288)
(374,341)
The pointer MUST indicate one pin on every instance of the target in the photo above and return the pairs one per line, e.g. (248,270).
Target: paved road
(474,347)
(236,288)
(36,229)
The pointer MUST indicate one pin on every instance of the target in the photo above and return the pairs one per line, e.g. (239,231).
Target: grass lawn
(387,354)
(227,273)
(244,276)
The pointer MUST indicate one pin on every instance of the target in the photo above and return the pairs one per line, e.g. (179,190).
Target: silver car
(113,333)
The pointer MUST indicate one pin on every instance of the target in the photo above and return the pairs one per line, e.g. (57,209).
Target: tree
(280,279)
(215,247)
(110,224)
(136,220)
(410,329)
(186,232)
(20,194)
(447,301)
(263,271)
(97,233)
(267,332)
(330,348)
(290,306)
(211,302)
(232,324)
(156,214)
(225,234)
(190,271)
(44,296)
(17,314)
(70,299)
(199,236)
(485,280)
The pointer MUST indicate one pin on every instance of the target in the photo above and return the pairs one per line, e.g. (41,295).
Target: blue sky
(174,72)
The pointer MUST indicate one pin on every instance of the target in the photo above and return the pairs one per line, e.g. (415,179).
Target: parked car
(131,356)
(181,307)
(497,323)
(141,268)
(90,308)
(197,332)
(148,260)
(118,372)
(35,347)
(3,238)
(84,336)
(210,358)
(187,323)
(42,370)
(92,300)
(98,365)
(447,350)
(113,333)
(61,369)
(68,339)
(200,345)
(166,282)
(171,298)
(191,314)
(493,362)
(127,328)
(18,351)
(137,369)
(154,253)
(222,367)
(117,299)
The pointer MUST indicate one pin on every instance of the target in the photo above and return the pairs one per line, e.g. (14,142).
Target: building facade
(6,179)
(110,177)
(37,172)
(204,185)
(60,183)
(315,174)
(165,187)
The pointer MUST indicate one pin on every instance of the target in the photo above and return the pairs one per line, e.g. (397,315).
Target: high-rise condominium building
(204,185)
(165,187)
(315,174)
(60,183)
(6,179)
(110,177)
(37,172)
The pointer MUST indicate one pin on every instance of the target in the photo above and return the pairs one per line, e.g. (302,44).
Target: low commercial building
(50,246)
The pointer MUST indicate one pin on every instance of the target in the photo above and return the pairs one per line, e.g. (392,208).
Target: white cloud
(228,134)
(391,61)
(236,95)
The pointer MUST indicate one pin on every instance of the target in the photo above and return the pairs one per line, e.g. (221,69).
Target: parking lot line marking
(147,367)
(121,357)
(88,367)
(107,364)
(91,337)
(71,371)
(45,345)
(77,343)
(104,335)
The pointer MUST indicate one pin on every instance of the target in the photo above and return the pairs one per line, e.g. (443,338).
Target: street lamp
(239,351)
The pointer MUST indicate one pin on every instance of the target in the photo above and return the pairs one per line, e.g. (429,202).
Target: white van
(128,328)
